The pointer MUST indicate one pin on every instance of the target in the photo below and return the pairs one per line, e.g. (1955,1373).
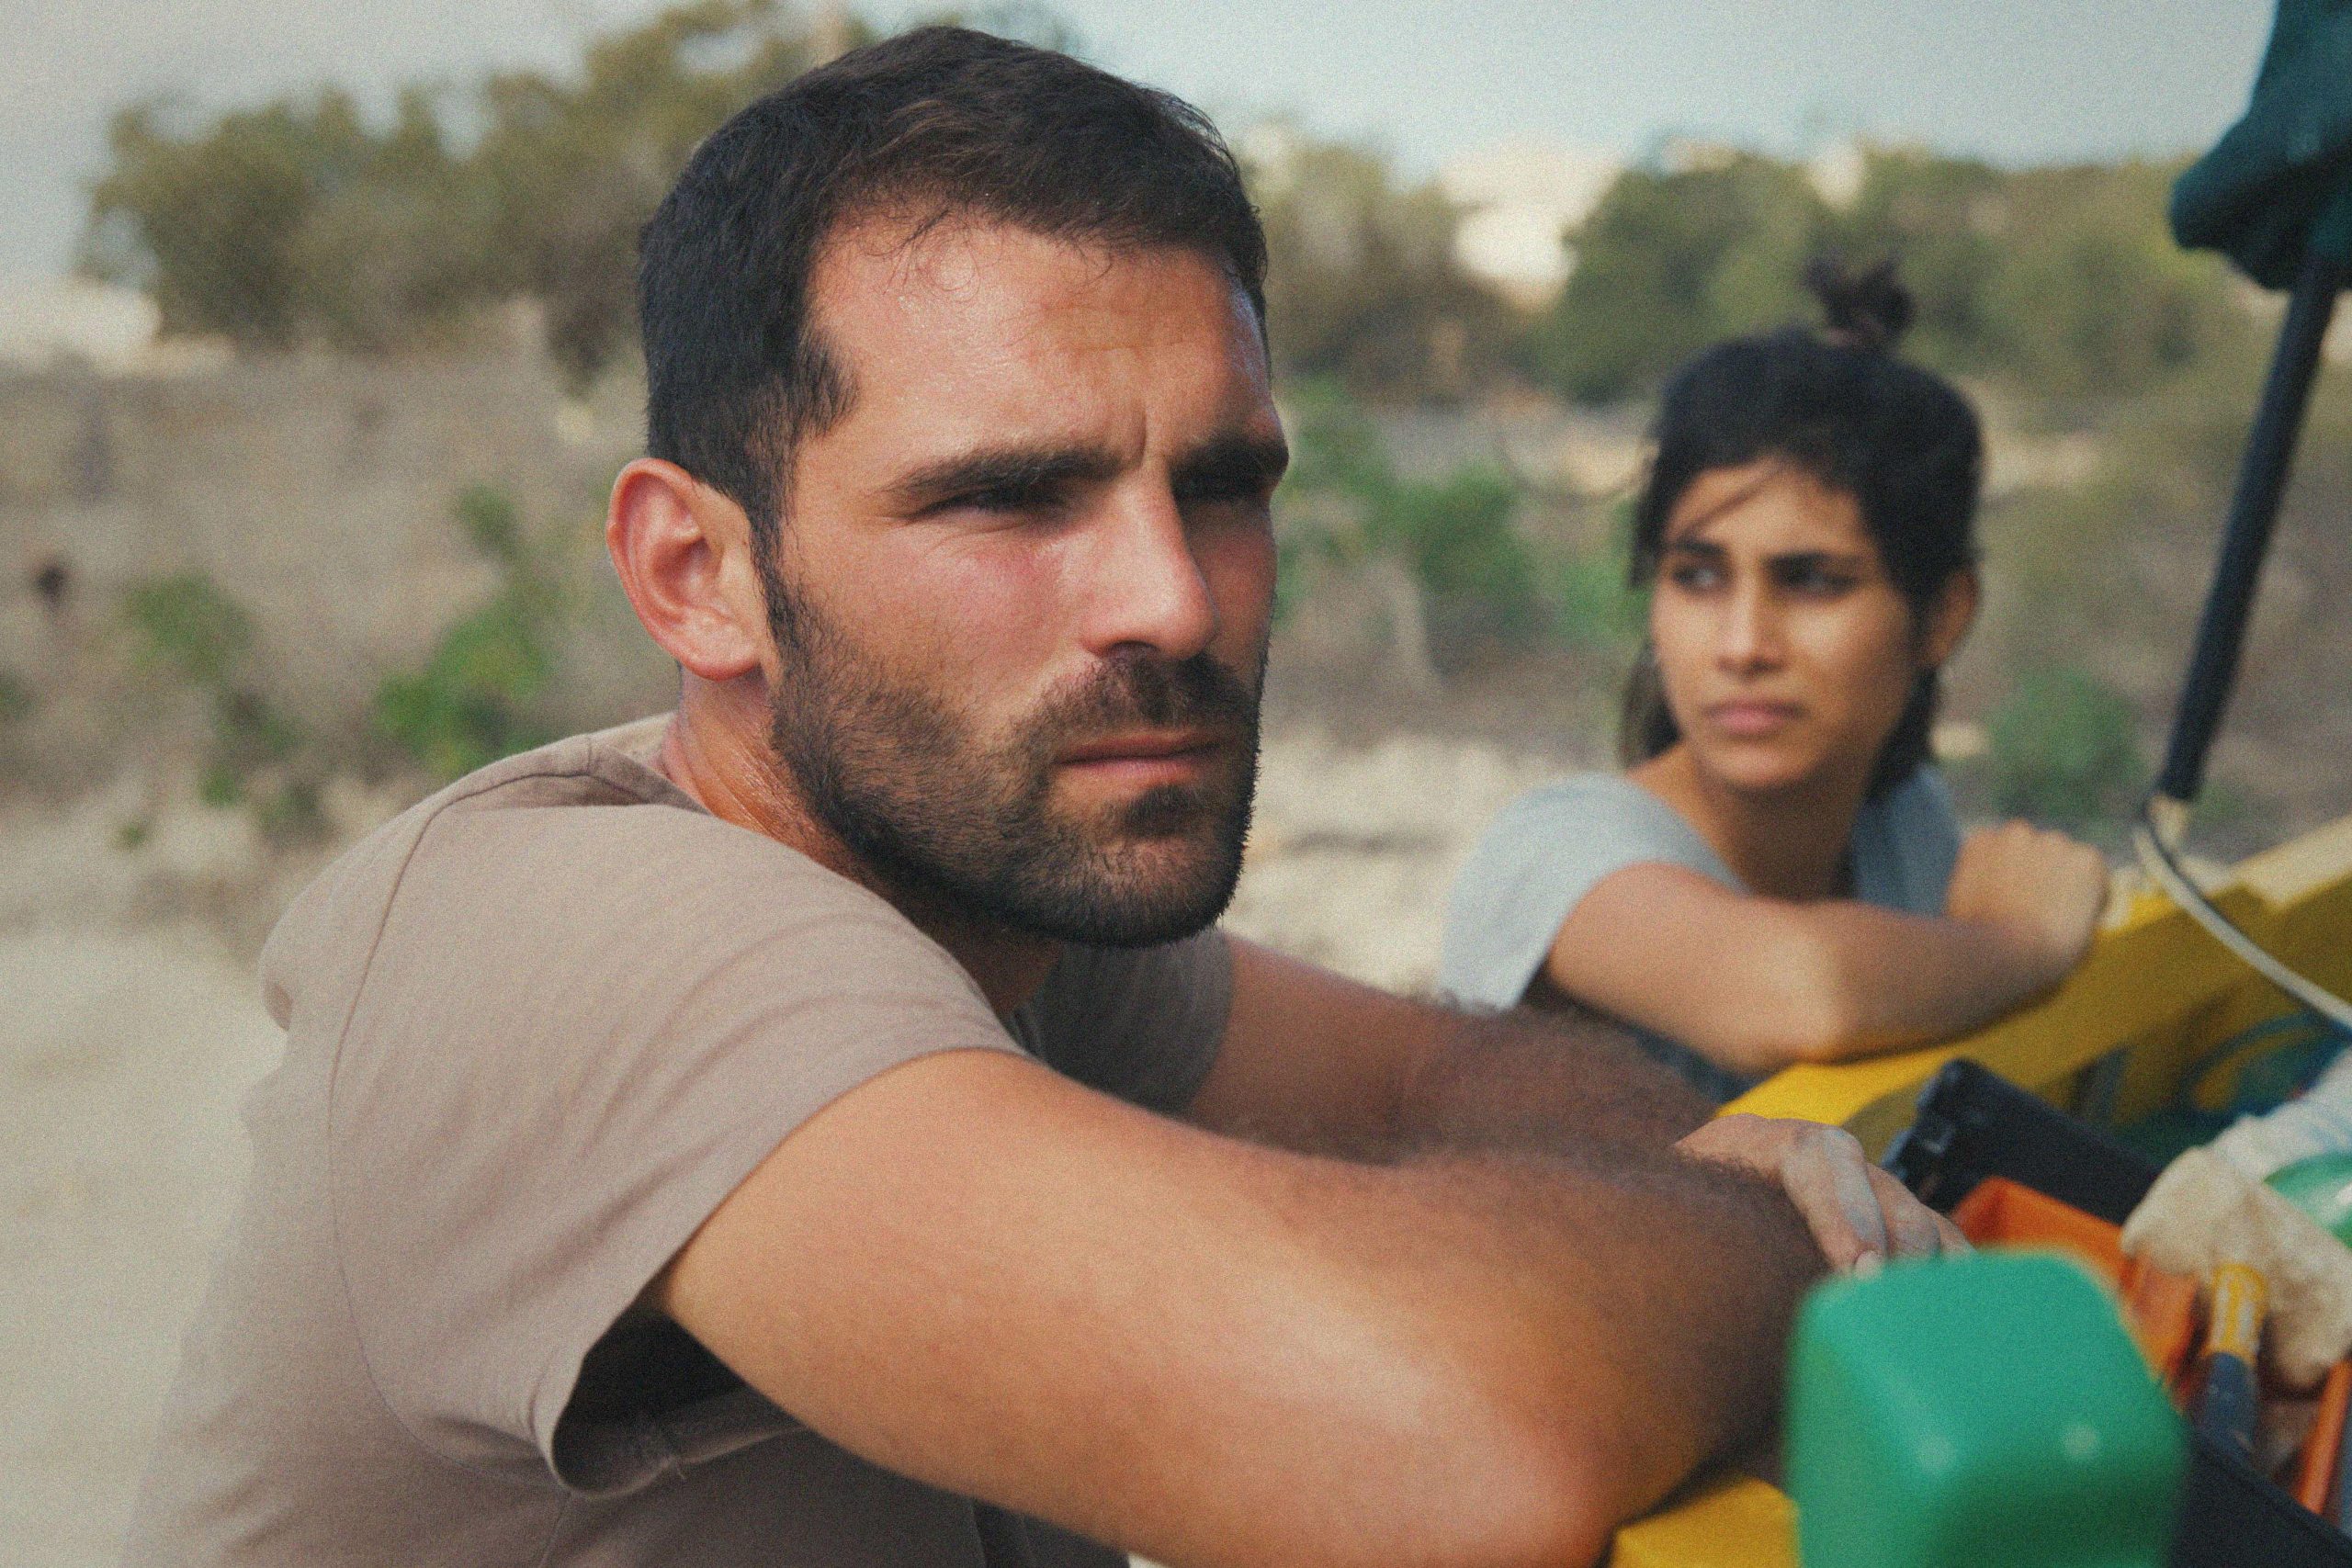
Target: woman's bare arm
(1756,983)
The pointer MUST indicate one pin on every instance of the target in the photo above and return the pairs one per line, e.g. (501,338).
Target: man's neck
(1783,844)
(715,749)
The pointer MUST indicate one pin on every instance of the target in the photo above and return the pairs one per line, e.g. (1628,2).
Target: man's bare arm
(1314,1061)
(978,1273)
(1311,1060)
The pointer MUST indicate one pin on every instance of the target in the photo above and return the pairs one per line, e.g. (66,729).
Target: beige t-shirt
(537,1028)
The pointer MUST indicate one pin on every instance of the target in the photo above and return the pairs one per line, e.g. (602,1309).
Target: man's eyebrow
(1020,469)
(1232,462)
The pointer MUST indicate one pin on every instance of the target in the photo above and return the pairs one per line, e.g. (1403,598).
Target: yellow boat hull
(2112,1043)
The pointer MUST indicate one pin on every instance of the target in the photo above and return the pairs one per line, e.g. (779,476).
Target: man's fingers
(1828,1180)
(1853,1172)
(1806,1179)
(1916,1230)
(1860,1215)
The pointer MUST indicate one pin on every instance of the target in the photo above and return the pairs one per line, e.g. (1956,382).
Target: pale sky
(2019,81)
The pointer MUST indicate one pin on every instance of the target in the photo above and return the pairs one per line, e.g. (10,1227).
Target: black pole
(2254,512)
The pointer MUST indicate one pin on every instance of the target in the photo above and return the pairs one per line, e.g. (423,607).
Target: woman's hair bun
(1867,309)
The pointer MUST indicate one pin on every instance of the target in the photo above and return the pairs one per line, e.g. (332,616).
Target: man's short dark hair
(937,123)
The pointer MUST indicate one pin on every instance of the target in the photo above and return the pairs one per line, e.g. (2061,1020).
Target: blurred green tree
(1362,284)
(2054,281)
(2092,296)
(570,170)
(1480,576)
(1671,259)
(1946,220)
(209,223)
(299,221)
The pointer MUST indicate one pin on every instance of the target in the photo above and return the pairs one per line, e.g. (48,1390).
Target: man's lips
(1144,746)
(1145,759)
(1752,716)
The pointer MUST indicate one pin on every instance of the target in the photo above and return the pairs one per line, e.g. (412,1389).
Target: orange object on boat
(2159,1308)
(2316,1477)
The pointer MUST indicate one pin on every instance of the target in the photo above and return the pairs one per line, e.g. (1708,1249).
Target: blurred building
(1519,199)
(47,322)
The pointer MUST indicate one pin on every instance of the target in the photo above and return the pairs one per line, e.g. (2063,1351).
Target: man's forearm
(1314,1061)
(1675,1286)
(1540,1080)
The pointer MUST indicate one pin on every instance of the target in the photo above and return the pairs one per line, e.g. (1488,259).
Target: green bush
(1590,603)
(471,702)
(2065,749)
(16,700)
(187,627)
(1455,535)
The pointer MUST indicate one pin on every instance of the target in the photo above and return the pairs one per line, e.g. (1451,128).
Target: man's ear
(684,553)
(1950,614)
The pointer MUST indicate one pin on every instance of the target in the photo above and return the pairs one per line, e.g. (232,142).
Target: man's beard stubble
(892,773)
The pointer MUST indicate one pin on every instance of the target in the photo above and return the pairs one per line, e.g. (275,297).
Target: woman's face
(1786,652)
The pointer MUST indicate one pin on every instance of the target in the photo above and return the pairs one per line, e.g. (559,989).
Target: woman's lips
(1748,719)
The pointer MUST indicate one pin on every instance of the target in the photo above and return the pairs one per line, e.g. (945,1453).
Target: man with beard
(756,1135)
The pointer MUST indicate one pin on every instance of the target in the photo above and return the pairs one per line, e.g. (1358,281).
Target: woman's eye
(1695,579)
(1820,581)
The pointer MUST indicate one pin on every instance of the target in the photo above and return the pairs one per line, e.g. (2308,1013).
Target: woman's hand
(2040,890)
(1858,1215)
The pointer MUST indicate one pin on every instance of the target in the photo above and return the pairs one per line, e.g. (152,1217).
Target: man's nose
(1146,587)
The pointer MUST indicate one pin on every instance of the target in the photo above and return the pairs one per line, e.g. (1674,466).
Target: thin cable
(2161,822)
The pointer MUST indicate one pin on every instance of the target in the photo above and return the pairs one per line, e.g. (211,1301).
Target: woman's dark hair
(937,123)
(1837,405)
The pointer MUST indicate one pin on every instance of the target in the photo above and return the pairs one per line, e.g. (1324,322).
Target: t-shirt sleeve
(1535,863)
(1906,844)
(580,1028)
(1142,1023)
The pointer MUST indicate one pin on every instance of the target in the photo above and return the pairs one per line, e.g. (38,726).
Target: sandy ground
(130,1033)
(133,1028)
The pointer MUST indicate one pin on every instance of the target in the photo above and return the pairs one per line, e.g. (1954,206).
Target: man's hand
(2043,890)
(1858,1215)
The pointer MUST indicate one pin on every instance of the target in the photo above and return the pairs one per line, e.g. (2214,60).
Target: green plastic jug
(1986,1409)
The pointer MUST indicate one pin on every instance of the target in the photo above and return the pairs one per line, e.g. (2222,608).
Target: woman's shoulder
(1602,819)
(1535,863)
(1589,798)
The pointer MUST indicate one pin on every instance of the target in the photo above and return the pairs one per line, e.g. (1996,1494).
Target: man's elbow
(1522,1497)
(1540,1475)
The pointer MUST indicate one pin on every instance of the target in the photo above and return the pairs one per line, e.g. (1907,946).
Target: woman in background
(1778,877)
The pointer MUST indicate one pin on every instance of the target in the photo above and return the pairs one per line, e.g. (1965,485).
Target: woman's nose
(1749,636)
